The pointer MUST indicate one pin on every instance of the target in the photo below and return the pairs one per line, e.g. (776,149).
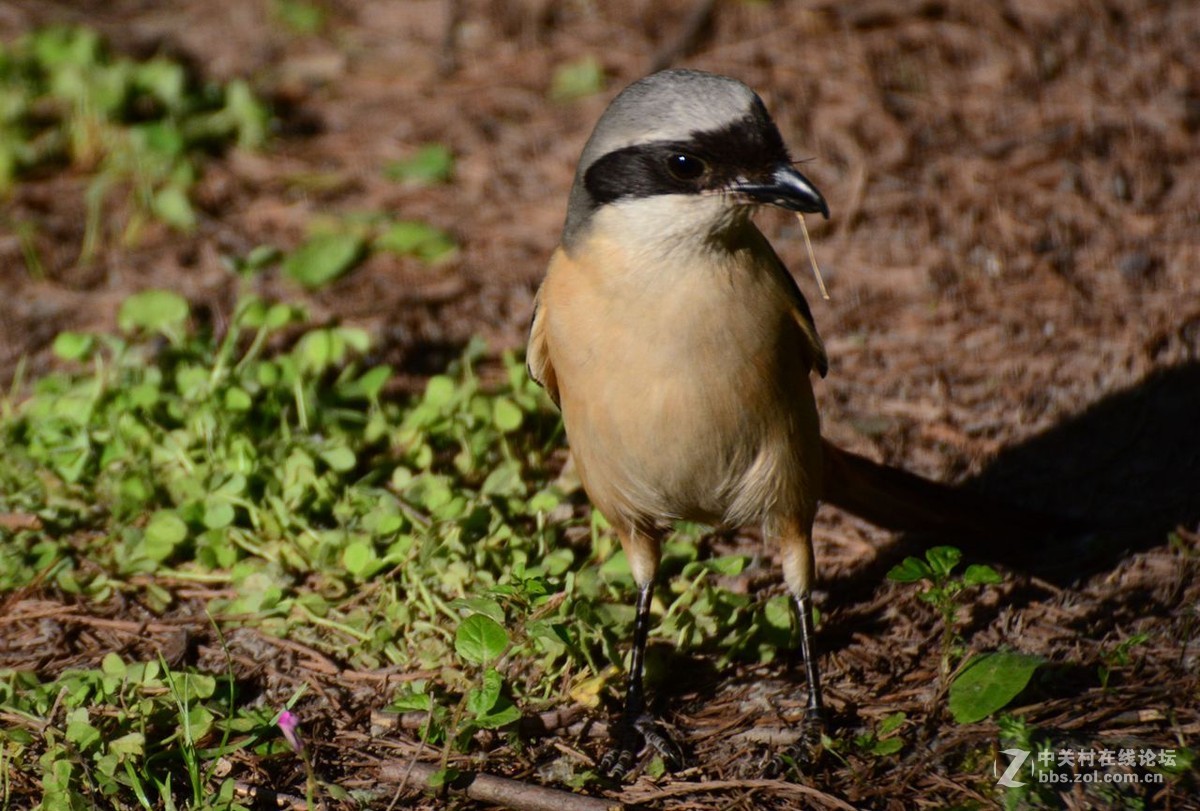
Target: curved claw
(660,740)
(804,754)
(630,738)
(617,763)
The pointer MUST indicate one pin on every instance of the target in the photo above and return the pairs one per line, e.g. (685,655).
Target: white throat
(672,226)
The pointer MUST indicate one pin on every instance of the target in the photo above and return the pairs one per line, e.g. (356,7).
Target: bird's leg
(635,696)
(798,571)
(626,739)
(814,715)
(637,727)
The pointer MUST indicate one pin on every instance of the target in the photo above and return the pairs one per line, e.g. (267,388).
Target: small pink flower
(288,721)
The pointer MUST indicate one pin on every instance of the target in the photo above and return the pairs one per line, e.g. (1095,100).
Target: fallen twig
(770,736)
(635,795)
(486,788)
(566,719)
(20,521)
(448,53)
(698,18)
(266,798)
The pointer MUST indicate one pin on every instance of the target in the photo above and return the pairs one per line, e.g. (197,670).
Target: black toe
(802,756)
(633,736)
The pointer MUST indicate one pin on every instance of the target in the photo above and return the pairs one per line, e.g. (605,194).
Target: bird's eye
(685,167)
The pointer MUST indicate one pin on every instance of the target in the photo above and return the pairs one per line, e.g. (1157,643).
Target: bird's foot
(803,755)
(630,738)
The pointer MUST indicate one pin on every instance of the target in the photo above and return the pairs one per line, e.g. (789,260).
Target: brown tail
(905,502)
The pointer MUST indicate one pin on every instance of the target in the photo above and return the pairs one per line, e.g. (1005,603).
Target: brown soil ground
(1013,257)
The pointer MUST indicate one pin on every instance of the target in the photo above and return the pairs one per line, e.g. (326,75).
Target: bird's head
(682,150)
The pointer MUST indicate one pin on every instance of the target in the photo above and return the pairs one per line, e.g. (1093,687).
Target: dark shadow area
(414,359)
(1128,466)
(1114,479)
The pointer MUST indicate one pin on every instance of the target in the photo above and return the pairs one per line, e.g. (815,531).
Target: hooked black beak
(788,189)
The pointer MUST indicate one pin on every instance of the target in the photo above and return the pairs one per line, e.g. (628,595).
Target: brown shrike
(679,349)
(678,346)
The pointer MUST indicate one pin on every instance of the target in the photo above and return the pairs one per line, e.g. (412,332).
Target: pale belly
(696,405)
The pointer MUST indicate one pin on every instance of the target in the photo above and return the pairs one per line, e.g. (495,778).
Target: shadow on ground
(1112,480)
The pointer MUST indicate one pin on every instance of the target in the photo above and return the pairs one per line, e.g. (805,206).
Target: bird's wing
(537,352)
(815,348)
